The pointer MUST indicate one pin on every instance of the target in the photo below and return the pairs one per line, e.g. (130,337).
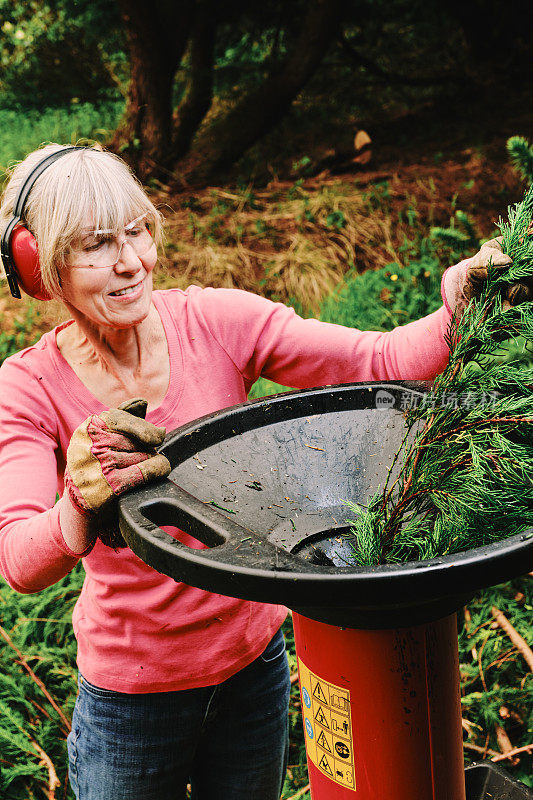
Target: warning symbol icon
(319,694)
(342,750)
(321,717)
(324,764)
(323,742)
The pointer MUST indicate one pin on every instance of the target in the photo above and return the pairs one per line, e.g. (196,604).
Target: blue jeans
(228,741)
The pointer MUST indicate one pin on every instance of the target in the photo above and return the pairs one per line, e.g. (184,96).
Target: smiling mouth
(127,290)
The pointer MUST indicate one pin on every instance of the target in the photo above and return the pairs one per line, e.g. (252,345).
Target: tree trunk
(224,142)
(198,99)
(157,39)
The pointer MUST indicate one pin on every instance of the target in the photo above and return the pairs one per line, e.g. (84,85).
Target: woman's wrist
(452,287)
(76,528)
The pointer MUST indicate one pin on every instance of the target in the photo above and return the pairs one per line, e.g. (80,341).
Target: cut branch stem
(518,641)
(53,780)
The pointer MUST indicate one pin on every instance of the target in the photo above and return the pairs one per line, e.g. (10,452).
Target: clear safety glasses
(101,248)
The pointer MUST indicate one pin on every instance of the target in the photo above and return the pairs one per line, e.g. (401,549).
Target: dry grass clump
(294,241)
(303,273)
(212,265)
(291,241)
(361,237)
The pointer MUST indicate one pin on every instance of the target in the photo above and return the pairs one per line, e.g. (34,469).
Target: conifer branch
(464,477)
(300,792)
(483,750)
(521,155)
(504,742)
(4,634)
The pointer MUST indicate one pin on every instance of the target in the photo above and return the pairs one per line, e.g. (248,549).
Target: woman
(176,684)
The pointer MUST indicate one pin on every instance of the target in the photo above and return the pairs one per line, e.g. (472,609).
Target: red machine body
(381,711)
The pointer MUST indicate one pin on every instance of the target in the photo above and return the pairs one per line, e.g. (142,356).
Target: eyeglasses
(101,248)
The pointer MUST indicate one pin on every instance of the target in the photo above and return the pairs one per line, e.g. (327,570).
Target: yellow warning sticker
(328,727)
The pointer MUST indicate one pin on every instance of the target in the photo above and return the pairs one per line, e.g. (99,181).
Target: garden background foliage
(37,649)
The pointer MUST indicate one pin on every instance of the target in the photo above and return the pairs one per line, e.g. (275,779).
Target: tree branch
(483,750)
(527,748)
(518,641)
(300,792)
(503,740)
(53,780)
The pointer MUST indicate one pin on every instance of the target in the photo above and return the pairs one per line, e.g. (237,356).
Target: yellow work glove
(109,454)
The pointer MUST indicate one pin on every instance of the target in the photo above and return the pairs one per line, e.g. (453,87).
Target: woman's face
(110,295)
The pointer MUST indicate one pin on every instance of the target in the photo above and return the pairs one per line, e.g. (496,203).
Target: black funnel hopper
(263,486)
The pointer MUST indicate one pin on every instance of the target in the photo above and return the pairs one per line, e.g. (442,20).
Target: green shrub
(521,156)
(54,52)
(381,299)
(23,131)
(40,627)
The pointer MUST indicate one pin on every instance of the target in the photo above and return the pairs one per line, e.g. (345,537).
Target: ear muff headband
(18,246)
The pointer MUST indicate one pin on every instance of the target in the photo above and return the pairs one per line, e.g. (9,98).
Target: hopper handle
(229,545)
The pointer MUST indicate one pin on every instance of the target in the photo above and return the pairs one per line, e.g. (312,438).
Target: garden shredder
(260,490)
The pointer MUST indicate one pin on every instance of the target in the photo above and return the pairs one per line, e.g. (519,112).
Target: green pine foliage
(461,236)
(496,684)
(465,478)
(38,626)
(521,155)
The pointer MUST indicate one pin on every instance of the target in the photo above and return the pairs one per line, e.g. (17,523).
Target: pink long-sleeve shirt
(137,630)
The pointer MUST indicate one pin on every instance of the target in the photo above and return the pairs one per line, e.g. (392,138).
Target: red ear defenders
(18,246)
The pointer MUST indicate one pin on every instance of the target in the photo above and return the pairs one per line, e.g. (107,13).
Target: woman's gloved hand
(110,453)
(464,282)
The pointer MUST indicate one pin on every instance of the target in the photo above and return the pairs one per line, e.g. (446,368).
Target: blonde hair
(82,185)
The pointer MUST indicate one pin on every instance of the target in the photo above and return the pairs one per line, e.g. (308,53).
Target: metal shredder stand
(260,490)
